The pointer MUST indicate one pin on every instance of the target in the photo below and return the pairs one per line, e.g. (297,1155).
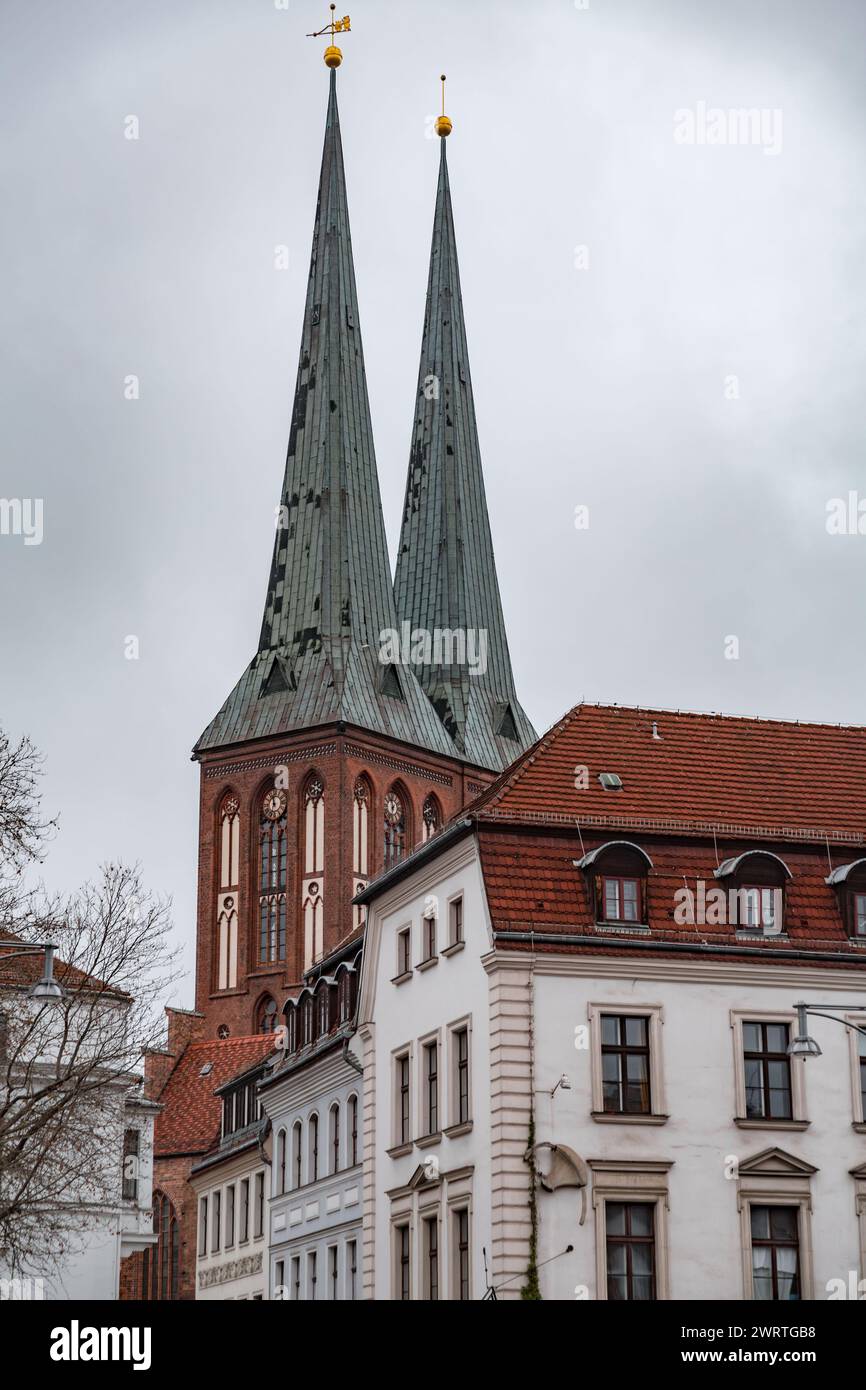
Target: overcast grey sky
(694,376)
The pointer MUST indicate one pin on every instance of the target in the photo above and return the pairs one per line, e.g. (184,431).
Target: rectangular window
(131,1139)
(202,1227)
(259,1218)
(455,921)
(404,1099)
(757,907)
(625,1065)
(461,1248)
(353,1131)
(296,1278)
(775,1253)
(245,1210)
(431,1088)
(280,1279)
(630,1234)
(860,914)
(404,951)
(431,1258)
(767,1071)
(333,1273)
(404,1263)
(216,1222)
(861,1049)
(312,1276)
(621,898)
(230,1215)
(461,1075)
(351,1267)
(429,938)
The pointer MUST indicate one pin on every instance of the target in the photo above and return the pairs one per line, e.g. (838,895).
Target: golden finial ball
(443,126)
(333,56)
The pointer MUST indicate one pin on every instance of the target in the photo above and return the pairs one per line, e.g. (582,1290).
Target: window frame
(645,1182)
(654,1013)
(796,1071)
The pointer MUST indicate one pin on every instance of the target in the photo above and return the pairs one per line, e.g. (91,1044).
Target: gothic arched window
(272,878)
(227,896)
(312,900)
(431,818)
(160,1278)
(362,802)
(266,1015)
(395,827)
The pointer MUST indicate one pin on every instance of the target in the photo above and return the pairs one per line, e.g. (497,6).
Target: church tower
(328,762)
(446,573)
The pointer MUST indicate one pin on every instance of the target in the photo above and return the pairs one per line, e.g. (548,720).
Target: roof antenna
(444,125)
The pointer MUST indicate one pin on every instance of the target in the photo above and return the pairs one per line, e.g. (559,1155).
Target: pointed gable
(446,572)
(329,597)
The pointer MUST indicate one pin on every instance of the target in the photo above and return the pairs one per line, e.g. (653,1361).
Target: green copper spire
(446,572)
(329,596)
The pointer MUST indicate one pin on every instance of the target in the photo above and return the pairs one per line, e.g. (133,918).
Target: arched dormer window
(266,1015)
(160,1276)
(272,877)
(395,826)
(345,994)
(227,895)
(291,1016)
(431,818)
(308,1030)
(755,883)
(617,873)
(312,888)
(362,803)
(323,1008)
(849,881)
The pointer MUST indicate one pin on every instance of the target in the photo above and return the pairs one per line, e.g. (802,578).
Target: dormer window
(755,883)
(617,880)
(849,881)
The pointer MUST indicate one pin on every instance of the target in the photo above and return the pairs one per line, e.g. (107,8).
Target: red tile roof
(775,779)
(190,1122)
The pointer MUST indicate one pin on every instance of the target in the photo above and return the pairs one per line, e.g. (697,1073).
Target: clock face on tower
(275,805)
(393,809)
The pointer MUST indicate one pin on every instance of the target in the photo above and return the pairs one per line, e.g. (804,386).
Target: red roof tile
(703,771)
(190,1122)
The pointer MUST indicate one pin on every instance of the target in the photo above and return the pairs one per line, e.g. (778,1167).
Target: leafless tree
(66,1068)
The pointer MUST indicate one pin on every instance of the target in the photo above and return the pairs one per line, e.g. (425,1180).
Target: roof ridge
(722,715)
(512,775)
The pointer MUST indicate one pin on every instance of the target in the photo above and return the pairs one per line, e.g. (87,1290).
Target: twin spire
(325,655)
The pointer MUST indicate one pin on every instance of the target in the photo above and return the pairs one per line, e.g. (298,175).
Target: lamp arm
(855,1027)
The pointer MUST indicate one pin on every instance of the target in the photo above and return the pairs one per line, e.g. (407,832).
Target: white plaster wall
(703,1223)
(456,987)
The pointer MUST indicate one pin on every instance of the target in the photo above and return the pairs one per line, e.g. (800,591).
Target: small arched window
(313,1169)
(292,1027)
(324,1010)
(362,803)
(335,1138)
(272,877)
(266,1015)
(431,818)
(281,1161)
(395,828)
(849,881)
(755,897)
(352,1133)
(161,1262)
(297,1153)
(308,1020)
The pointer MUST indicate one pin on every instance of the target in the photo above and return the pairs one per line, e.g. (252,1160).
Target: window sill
(624,928)
(610,1117)
(859,1127)
(792,1125)
(401,979)
(460,945)
(759,937)
(429,1140)
(428,963)
(400,1150)
(455,1131)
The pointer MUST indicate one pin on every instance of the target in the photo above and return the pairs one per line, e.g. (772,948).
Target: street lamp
(805,1046)
(44,991)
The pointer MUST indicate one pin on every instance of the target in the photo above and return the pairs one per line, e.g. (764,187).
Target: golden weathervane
(333,56)
(444,126)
